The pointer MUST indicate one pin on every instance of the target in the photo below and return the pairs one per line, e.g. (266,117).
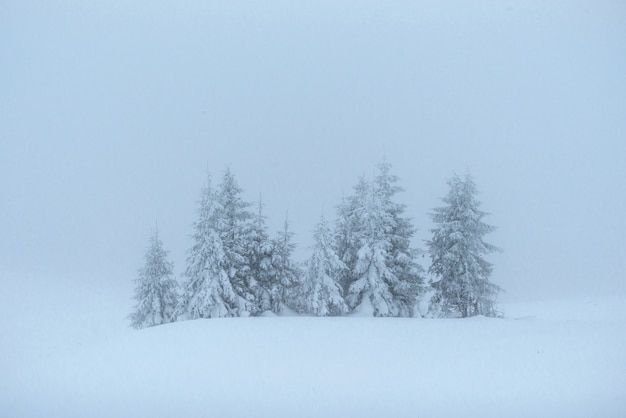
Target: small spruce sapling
(155,291)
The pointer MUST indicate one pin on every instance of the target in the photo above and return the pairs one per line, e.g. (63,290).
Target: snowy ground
(69,353)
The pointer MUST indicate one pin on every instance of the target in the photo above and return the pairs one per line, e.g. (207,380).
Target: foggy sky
(112,112)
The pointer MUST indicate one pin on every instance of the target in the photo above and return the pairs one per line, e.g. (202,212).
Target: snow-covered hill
(552,359)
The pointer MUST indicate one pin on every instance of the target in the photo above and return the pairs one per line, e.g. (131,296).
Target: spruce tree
(370,288)
(234,226)
(258,261)
(321,293)
(401,257)
(286,273)
(363,245)
(348,227)
(374,242)
(155,291)
(207,291)
(456,249)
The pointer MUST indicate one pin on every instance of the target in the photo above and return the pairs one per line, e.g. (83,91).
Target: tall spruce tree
(321,293)
(456,249)
(234,226)
(286,273)
(155,291)
(207,291)
(401,257)
(348,227)
(370,290)
(373,241)
(258,259)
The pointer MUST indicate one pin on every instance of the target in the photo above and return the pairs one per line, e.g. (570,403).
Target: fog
(111,114)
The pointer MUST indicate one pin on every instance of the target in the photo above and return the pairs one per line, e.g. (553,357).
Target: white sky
(111,112)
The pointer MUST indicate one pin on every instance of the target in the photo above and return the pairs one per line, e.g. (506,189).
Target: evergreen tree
(207,291)
(155,291)
(401,258)
(347,239)
(321,293)
(373,241)
(370,290)
(258,260)
(234,226)
(456,250)
(285,272)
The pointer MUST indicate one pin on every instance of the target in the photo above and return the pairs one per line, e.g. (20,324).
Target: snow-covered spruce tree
(369,281)
(155,291)
(285,275)
(456,250)
(258,260)
(347,236)
(207,291)
(234,225)
(373,240)
(370,291)
(321,293)
(401,258)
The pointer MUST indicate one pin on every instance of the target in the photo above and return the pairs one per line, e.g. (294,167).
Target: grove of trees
(363,264)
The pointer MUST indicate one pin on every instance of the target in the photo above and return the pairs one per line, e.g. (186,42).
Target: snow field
(546,359)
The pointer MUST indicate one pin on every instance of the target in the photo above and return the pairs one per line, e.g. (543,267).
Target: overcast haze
(112,112)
